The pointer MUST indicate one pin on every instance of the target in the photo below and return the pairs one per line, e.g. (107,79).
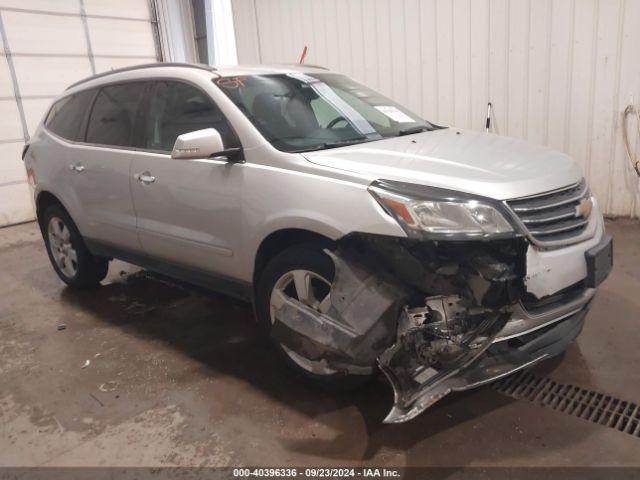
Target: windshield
(299,111)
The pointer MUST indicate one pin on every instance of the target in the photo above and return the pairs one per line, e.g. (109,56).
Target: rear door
(102,166)
(58,161)
(188,211)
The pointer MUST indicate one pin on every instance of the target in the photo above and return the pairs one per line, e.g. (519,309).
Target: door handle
(145,177)
(77,167)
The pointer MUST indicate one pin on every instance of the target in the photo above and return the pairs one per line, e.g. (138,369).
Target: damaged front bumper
(385,311)
(498,360)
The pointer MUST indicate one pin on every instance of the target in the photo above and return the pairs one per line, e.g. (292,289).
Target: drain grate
(576,401)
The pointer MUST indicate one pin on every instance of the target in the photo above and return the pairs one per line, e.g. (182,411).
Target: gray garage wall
(558,72)
(46,45)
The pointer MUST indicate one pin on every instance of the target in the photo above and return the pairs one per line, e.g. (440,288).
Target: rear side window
(178,108)
(66,117)
(114,113)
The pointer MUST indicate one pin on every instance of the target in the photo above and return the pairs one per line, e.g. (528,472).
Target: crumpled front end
(429,314)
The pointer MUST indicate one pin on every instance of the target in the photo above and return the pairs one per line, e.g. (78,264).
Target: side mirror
(205,143)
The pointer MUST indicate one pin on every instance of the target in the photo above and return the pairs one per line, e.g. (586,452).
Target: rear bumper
(499,360)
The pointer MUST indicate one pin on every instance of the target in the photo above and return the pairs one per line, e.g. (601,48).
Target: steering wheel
(333,122)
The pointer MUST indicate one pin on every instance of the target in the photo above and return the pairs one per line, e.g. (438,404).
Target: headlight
(445,217)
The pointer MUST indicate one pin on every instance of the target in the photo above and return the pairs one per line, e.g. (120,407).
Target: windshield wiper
(327,145)
(412,130)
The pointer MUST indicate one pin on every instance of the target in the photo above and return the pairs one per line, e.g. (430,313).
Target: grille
(552,216)
(595,407)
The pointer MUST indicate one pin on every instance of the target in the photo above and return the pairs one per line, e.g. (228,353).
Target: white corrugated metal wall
(47,45)
(558,72)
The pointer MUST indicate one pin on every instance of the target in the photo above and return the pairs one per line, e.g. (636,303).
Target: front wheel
(302,274)
(69,256)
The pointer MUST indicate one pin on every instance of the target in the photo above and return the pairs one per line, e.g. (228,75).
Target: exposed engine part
(442,313)
(433,343)
(489,274)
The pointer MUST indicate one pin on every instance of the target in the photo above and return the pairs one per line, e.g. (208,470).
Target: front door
(188,211)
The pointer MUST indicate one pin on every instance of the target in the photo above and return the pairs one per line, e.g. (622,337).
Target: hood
(473,162)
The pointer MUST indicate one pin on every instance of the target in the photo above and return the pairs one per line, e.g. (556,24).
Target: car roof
(220,71)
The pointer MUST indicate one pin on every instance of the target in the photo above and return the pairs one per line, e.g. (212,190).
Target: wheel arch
(44,200)
(282,239)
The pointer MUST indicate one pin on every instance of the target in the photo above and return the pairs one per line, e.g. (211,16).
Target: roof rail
(200,66)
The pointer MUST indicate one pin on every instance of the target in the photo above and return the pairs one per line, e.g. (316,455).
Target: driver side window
(176,108)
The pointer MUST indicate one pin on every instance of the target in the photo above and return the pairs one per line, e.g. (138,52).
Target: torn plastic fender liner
(360,324)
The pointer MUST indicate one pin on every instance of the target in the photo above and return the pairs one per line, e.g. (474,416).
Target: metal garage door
(47,45)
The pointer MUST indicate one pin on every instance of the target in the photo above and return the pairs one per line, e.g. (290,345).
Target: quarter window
(66,117)
(114,113)
(178,108)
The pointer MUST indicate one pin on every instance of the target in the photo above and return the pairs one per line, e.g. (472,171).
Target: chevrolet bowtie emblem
(584,208)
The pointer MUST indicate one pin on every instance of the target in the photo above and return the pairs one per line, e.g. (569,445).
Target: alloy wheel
(312,290)
(62,250)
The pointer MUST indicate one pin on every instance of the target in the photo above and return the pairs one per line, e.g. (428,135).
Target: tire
(69,256)
(307,257)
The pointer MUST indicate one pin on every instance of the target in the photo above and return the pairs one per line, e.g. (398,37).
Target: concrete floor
(178,377)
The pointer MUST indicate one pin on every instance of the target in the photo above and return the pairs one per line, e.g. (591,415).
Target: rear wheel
(69,256)
(301,274)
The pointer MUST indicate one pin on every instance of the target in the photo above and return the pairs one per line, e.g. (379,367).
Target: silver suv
(366,237)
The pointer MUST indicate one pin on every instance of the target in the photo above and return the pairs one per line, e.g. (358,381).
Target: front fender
(277,199)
